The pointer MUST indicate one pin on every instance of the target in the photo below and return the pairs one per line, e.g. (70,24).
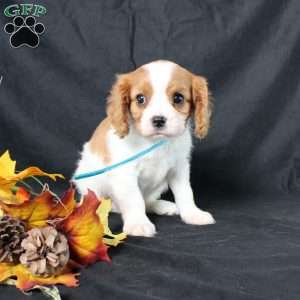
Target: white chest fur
(153,169)
(150,170)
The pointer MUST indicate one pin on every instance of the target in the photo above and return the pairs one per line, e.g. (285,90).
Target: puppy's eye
(140,99)
(178,98)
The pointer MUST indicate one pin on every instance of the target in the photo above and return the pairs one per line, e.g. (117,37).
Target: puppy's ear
(202,106)
(118,105)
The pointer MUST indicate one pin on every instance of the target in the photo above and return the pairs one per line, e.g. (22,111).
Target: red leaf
(85,232)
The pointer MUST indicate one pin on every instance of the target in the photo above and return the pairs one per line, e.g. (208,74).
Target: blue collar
(120,163)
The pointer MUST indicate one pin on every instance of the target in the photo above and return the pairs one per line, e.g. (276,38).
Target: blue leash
(118,164)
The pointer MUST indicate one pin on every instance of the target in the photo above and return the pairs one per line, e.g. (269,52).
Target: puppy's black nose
(159,121)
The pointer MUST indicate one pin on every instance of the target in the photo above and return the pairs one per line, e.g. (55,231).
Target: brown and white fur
(136,188)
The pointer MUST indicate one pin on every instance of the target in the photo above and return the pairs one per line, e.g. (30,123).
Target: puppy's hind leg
(159,206)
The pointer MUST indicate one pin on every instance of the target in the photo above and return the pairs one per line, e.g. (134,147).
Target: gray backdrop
(247,172)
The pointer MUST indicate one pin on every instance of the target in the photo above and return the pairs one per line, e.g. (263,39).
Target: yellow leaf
(103,212)
(8,178)
(26,281)
(7,166)
(35,171)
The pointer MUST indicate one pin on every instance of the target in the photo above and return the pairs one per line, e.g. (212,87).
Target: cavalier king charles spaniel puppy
(156,101)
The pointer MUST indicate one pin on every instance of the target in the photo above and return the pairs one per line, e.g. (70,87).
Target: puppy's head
(158,99)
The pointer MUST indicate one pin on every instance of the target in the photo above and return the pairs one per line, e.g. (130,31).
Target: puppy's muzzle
(159,122)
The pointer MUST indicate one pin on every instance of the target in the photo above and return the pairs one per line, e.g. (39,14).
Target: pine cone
(12,231)
(46,251)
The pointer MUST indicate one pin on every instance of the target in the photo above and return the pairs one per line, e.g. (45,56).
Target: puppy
(156,101)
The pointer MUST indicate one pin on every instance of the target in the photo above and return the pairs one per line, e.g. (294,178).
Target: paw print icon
(24,32)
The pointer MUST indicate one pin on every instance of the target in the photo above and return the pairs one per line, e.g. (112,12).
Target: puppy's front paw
(197,216)
(139,227)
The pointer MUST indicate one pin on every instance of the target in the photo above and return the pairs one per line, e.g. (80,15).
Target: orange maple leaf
(42,209)
(85,232)
(26,281)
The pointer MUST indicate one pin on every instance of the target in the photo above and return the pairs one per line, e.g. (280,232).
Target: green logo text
(24,10)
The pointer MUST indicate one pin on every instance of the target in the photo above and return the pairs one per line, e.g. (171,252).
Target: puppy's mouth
(159,134)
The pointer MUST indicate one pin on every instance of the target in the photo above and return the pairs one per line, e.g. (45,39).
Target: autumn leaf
(42,209)
(26,280)
(84,232)
(9,178)
(103,212)
(19,195)
(22,195)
